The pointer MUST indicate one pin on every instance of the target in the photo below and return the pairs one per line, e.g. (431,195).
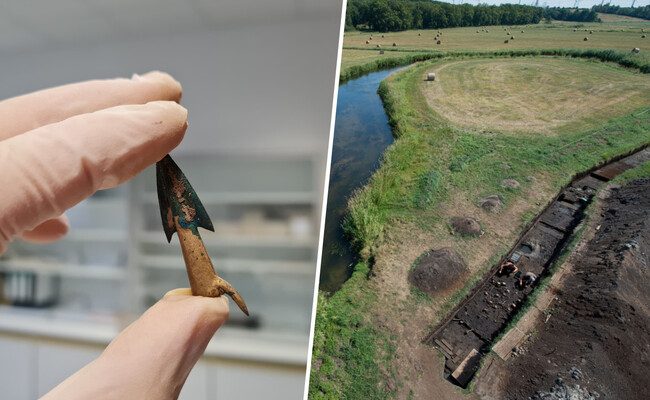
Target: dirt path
(597,337)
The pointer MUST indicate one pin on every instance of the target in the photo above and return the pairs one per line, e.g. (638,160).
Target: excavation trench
(468,332)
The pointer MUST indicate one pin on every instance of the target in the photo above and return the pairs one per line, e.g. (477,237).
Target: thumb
(153,356)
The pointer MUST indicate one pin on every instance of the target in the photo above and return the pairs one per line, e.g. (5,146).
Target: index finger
(24,113)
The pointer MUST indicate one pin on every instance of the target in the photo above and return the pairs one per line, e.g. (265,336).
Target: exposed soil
(510,184)
(597,339)
(467,334)
(438,271)
(465,226)
(492,203)
(419,368)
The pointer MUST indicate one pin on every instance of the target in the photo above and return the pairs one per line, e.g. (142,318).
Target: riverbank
(433,171)
(361,135)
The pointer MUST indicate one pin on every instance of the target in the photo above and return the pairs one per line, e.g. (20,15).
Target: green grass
(348,352)
(533,94)
(642,171)
(462,160)
(620,35)
(399,58)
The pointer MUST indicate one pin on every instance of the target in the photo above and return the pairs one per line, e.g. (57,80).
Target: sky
(557,3)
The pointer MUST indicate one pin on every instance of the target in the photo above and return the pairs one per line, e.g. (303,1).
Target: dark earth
(465,226)
(437,271)
(596,342)
(491,203)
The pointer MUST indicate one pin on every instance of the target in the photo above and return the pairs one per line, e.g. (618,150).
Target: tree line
(571,14)
(399,15)
(638,12)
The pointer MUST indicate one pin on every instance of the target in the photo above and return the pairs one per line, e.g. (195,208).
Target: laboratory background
(258,80)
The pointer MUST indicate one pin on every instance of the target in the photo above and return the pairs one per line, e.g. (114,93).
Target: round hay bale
(522,31)
(382,36)
(431,76)
(394,44)
(487,31)
(465,226)
(438,42)
(476,31)
(419,34)
(438,271)
(378,45)
(367,42)
(505,41)
(491,203)
(591,32)
(636,50)
(642,36)
(510,184)
(585,39)
(575,30)
(381,52)
(512,38)
(370,38)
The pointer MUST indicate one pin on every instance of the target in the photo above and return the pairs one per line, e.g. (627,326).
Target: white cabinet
(57,361)
(29,368)
(17,369)
(241,381)
(196,385)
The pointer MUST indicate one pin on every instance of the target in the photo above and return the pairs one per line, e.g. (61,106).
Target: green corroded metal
(177,198)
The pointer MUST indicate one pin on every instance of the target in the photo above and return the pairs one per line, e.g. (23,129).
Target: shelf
(232,265)
(62,269)
(151,237)
(235,198)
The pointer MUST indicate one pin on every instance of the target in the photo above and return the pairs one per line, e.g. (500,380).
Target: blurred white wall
(250,85)
(258,77)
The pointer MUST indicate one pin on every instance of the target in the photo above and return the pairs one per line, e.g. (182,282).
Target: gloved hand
(152,357)
(59,146)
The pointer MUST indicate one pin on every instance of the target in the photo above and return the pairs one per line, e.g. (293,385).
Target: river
(361,135)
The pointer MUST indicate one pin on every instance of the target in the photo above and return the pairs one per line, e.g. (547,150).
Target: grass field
(433,158)
(535,95)
(624,35)
(623,19)
(538,120)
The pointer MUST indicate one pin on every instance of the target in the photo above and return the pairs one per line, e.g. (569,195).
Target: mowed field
(619,33)
(625,36)
(533,94)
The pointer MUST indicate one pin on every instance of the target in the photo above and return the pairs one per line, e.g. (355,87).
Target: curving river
(361,134)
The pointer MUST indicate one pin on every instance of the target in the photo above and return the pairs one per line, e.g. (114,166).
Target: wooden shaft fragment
(204,280)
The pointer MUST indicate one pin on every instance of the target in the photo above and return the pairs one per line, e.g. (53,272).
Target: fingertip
(48,231)
(214,308)
(174,113)
(179,292)
(171,86)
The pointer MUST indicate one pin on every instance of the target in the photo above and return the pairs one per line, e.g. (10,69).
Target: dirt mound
(437,271)
(601,321)
(465,226)
(491,203)
(564,391)
(510,184)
